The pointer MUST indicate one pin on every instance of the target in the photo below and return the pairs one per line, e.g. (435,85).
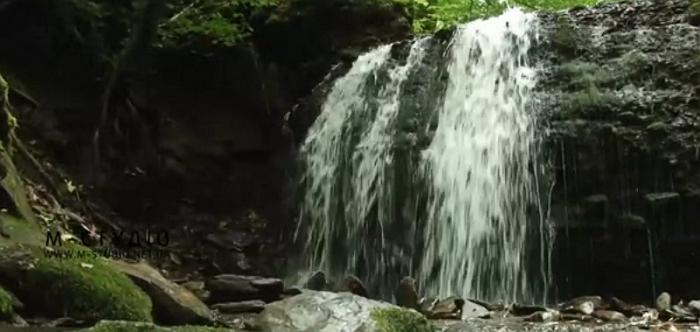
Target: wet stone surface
(620,95)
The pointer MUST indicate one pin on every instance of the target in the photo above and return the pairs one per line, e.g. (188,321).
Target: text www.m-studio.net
(135,254)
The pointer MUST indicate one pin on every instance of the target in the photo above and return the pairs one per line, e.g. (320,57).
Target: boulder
(474,310)
(238,307)
(172,303)
(325,312)
(663,302)
(86,288)
(609,316)
(695,307)
(448,308)
(236,288)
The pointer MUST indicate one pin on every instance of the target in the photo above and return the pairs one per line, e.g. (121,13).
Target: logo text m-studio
(146,238)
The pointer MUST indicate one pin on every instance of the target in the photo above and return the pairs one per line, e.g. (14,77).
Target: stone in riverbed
(575,317)
(406,294)
(525,310)
(474,310)
(353,285)
(694,307)
(428,302)
(663,302)
(543,316)
(682,314)
(448,308)
(573,304)
(172,303)
(621,306)
(238,307)
(235,288)
(641,310)
(609,316)
(317,282)
(197,288)
(585,307)
(659,200)
(327,312)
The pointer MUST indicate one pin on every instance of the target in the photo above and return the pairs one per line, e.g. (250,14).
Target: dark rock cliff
(625,134)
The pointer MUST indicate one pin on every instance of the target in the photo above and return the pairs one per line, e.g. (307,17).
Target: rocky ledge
(102,295)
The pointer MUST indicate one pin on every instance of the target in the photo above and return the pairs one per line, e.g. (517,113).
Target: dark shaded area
(624,118)
(200,139)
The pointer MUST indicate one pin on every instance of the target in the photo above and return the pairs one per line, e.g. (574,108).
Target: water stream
(448,186)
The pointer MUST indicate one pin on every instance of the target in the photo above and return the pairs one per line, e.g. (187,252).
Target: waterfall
(480,164)
(426,163)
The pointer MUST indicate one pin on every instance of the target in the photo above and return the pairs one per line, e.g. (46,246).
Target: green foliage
(694,7)
(395,319)
(224,22)
(209,22)
(439,14)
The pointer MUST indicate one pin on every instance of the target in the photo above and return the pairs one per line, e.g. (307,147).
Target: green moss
(12,183)
(117,326)
(591,99)
(88,288)
(633,59)
(586,75)
(694,7)
(6,308)
(565,37)
(400,320)
(20,231)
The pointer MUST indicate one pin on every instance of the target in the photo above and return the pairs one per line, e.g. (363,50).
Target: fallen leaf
(86,265)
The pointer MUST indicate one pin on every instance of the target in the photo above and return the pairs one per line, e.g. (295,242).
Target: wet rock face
(624,111)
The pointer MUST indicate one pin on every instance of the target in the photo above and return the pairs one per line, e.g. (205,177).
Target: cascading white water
(480,164)
(345,173)
(475,196)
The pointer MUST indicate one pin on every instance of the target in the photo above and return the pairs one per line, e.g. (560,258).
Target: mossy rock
(395,319)
(6,304)
(20,231)
(86,288)
(121,326)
